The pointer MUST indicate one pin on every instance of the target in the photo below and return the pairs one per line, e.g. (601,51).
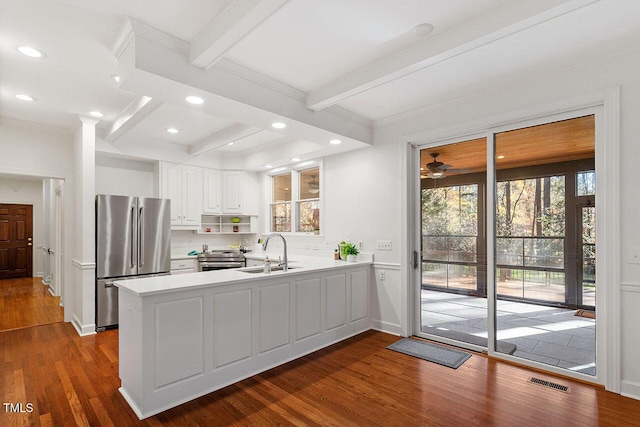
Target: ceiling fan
(437,169)
(314,186)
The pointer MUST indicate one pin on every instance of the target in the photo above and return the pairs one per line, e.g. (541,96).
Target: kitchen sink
(260,269)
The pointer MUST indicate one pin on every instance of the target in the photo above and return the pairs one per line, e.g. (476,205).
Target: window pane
(450,211)
(586,183)
(282,188)
(310,184)
(462,277)
(531,207)
(462,249)
(544,285)
(435,248)
(281,217)
(309,216)
(434,274)
(509,250)
(544,253)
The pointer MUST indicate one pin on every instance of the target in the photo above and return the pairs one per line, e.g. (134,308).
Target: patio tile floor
(549,335)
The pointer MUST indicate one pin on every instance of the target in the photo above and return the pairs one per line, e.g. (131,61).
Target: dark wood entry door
(16,241)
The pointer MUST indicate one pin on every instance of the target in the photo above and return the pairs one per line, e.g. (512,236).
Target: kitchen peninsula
(183,336)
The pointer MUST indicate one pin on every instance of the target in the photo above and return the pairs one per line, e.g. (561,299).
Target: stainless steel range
(219,260)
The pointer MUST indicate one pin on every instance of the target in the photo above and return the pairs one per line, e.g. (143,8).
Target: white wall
(34,150)
(28,191)
(124,177)
(374,210)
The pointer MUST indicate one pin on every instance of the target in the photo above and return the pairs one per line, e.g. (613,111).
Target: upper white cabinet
(212,200)
(222,192)
(183,185)
(232,191)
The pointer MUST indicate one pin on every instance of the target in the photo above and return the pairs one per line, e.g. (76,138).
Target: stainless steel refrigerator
(132,240)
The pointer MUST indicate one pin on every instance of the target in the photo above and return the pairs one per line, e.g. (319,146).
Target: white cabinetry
(229,224)
(183,185)
(212,192)
(188,341)
(232,191)
(222,192)
(181,266)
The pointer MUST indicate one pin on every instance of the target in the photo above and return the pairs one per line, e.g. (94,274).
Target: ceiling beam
(140,108)
(515,17)
(153,63)
(236,21)
(222,138)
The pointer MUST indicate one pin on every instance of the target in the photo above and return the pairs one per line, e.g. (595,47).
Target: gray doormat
(432,352)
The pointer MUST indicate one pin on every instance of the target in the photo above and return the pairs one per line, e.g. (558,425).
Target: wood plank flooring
(27,302)
(72,380)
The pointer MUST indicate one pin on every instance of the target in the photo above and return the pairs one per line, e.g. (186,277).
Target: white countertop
(164,284)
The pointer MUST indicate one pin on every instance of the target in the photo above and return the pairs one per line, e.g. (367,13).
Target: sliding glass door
(541,301)
(453,247)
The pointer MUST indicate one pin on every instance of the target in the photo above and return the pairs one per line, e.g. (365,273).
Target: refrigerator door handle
(141,237)
(133,237)
(109,285)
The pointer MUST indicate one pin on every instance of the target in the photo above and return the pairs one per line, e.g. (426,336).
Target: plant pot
(352,258)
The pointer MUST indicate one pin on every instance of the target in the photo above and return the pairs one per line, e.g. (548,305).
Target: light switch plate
(384,245)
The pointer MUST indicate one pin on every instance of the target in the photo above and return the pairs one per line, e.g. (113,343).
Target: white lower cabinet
(182,266)
(179,345)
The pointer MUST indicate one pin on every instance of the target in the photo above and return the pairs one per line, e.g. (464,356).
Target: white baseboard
(630,389)
(387,327)
(83,330)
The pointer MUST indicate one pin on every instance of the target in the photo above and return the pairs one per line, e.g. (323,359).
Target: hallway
(27,302)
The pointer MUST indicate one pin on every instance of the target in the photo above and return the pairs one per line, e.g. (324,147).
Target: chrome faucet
(285,263)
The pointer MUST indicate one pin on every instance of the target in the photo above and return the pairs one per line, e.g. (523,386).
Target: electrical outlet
(383,276)
(384,245)
(360,244)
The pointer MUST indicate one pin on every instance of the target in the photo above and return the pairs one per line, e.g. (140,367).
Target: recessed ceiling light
(278,125)
(172,130)
(501,157)
(30,52)
(231,143)
(97,114)
(278,169)
(24,97)
(194,100)
(335,142)
(116,78)
(295,159)
(310,162)
(268,166)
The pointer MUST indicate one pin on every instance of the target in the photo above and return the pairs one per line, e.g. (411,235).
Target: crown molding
(133,28)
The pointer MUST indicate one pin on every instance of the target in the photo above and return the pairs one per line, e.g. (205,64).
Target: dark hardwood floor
(72,380)
(27,302)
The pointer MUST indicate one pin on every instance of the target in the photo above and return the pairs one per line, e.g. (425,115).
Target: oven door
(213,265)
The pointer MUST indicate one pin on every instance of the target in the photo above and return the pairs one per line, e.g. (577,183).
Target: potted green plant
(348,251)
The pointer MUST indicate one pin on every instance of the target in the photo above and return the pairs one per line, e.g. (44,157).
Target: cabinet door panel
(232,192)
(170,188)
(191,196)
(212,190)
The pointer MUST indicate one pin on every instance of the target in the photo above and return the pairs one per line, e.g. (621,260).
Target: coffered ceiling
(329,70)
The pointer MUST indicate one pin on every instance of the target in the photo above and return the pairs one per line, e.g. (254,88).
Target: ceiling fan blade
(459,170)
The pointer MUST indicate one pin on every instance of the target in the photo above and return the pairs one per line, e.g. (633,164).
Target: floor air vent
(549,384)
